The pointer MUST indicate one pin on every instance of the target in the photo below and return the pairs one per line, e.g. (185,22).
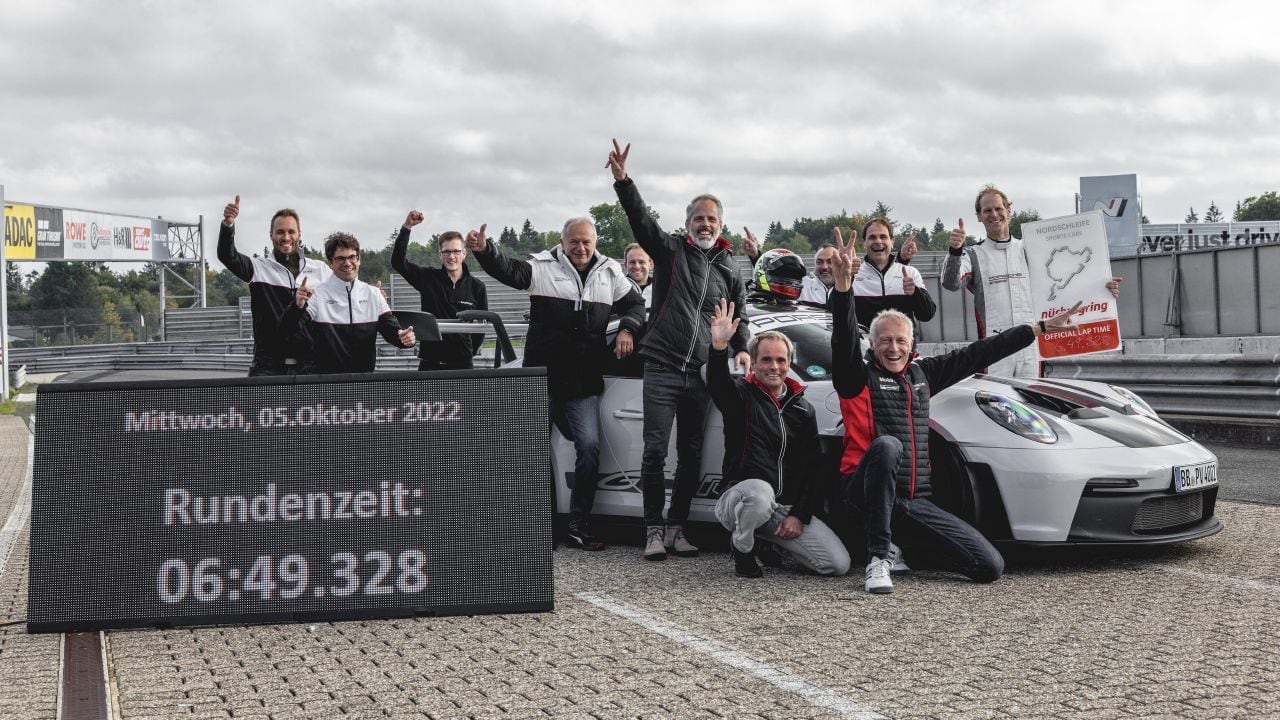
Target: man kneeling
(884,402)
(770,455)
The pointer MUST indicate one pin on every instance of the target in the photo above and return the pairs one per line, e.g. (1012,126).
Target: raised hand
(618,160)
(908,283)
(956,239)
(303,293)
(908,250)
(845,263)
(477,241)
(1062,320)
(230,212)
(407,338)
(749,244)
(413,218)
(723,325)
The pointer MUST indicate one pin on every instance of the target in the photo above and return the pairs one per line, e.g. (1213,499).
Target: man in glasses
(273,280)
(343,315)
(445,291)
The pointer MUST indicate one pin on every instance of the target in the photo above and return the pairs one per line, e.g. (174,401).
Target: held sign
(278,499)
(1068,263)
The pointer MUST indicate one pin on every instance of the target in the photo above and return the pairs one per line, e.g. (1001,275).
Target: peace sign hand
(845,263)
(618,161)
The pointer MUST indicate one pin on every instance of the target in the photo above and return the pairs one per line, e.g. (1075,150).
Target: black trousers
(925,532)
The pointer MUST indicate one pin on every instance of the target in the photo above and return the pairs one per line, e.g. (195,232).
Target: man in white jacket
(995,271)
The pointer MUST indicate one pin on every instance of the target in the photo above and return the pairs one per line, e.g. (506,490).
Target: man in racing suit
(995,271)
(694,269)
(770,455)
(884,403)
(343,315)
(572,292)
(273,281)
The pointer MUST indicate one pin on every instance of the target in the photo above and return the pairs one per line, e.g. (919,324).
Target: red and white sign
(1068,262)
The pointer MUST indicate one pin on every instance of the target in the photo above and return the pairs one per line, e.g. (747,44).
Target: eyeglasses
(450,252)
(346,258)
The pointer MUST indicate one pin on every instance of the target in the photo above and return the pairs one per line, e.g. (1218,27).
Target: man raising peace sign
(884,402)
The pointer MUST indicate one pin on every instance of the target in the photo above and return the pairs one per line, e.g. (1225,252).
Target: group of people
(679,300)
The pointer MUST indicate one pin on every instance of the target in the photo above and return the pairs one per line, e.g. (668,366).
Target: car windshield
(813,350)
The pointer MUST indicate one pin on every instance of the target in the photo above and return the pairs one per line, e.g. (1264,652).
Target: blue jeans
(671,395)
(582,418)
(919,527)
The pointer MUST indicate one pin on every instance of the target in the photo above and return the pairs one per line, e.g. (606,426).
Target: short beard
(705,244)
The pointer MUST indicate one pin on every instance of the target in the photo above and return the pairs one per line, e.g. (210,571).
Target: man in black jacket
(693,270)
(770,455)
(445,291)
(884,402)
(273,281)
(572,292)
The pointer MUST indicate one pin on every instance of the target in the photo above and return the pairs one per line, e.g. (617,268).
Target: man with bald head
(695,269)
(572,292)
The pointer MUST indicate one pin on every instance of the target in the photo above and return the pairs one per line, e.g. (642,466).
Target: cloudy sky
(493,112)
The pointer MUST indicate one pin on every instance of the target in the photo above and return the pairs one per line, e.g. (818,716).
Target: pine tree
(1192,217)
(1213,214)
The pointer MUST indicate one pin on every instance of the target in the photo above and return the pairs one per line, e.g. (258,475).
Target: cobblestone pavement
(1186,632)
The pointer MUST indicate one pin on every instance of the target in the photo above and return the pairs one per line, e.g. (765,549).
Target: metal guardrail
(1224,386)
(1230,386)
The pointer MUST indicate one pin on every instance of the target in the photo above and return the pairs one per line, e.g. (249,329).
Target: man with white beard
(697,270)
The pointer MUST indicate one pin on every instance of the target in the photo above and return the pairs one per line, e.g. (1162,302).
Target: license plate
(1195,477)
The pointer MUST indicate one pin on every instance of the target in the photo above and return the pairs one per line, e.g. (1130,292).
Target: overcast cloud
(493,112)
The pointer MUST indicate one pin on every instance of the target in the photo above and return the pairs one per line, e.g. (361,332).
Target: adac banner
(1068,264)
(35,232)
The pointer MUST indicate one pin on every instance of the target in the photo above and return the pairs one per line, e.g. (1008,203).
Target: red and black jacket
(764,439)
(874,401)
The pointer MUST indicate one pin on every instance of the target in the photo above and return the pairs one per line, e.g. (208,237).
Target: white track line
(21,509)
(792,683)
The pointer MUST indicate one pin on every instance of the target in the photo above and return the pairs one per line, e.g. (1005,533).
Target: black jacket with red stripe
(874,401)
(568,317)
(777,443)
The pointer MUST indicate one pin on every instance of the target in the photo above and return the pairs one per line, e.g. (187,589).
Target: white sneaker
(878,576)
(896,566)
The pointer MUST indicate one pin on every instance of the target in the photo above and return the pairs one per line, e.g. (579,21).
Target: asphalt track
(1191,631)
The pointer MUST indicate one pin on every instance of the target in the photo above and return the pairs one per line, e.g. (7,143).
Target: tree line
(85,302)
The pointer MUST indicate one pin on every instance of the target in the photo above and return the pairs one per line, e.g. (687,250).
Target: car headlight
(1016,417)
(1134,399)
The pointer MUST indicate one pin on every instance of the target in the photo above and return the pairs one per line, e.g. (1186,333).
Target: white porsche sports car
(1030,462)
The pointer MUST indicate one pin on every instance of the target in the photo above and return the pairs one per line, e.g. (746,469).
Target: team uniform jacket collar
(794,389)
(720,243)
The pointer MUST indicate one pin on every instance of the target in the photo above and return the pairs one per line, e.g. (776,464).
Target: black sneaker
(580,537)
(745,565)
(769,555)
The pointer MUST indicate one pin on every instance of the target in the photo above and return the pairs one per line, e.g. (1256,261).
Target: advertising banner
(1068,263)
(20,232)
(37,232)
